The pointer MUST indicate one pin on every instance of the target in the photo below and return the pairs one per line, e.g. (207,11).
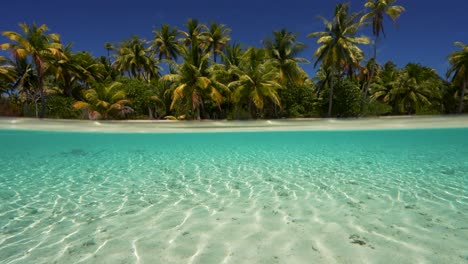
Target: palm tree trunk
(214,54)
(462,95)
(43,100)
(371,75)
(330,99)
(150,112)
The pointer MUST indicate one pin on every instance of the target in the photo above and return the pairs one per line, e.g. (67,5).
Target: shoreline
(190,126)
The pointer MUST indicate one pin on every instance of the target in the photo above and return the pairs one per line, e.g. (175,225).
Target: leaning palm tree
(377,11)
(338,48)
(257,80)
(104,101)
(459,70)
(215,38)
(33,42)
(284,49)
(193,82)
(165,43)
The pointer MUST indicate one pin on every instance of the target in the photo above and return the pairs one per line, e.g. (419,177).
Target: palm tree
(33,42)
(385,81)
(339,45)
(7,70)
(65,71)
(165,42)
(284,48)
(232,55)
(257,80)
(216,38)
(377,10)
(90,69)
(104,101)
(414,89)
(410,90)
(459,70)
(191,37)
(136,59)
(108,46)
(193,82)
(24,86)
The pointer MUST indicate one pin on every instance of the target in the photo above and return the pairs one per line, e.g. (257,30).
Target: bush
(346,99)
(61,107)
(299,101)
(376,108)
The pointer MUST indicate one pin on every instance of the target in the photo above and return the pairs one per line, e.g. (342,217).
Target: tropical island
(198,72)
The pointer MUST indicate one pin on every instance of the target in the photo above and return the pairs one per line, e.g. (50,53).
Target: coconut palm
(284,49)
(33,42)
(414,89)
(7,70)
(104,101)
(191,37)
(193,82)
(385,81)
(377,11)
(136,59)
(66,71)
(91,69)
(232,55)
(459,70)
(108,46)
(338,48)
(24,86)
(165,42)
(215,38)
(410,90)
(257,80)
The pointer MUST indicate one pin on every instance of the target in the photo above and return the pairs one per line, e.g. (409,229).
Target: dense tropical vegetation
(198,73)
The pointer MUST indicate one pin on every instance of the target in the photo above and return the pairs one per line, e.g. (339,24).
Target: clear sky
(425,34)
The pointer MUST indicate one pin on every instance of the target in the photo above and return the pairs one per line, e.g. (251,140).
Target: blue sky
(425,34)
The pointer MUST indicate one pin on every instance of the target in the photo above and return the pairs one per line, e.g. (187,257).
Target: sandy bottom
(308,197)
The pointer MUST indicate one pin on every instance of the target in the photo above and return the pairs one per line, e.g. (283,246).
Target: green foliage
(61,107)
(136,59)
(148,99)
(299,101)
(459,71)
(339,49)
(33,44)
(346,99)
(140,93)
(376,108)
(105,101)
(247,83)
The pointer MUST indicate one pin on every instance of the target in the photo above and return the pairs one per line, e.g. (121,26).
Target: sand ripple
(309,197)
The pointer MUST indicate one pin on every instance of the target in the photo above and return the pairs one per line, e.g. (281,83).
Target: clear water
(398,196)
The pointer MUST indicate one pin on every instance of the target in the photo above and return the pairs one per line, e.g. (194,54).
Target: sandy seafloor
(387,190)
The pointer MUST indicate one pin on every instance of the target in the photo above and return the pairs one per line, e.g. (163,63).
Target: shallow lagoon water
(363,191)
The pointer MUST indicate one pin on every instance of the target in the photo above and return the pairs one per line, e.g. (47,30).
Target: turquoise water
(382,196)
